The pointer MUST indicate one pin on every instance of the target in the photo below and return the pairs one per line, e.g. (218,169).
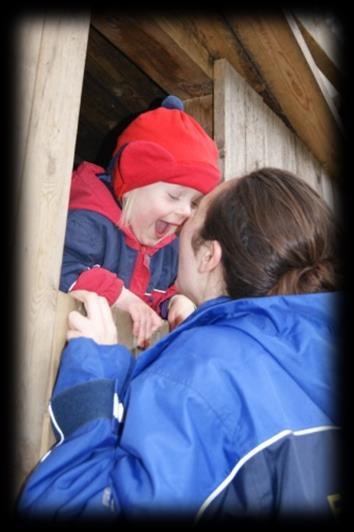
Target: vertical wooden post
(52,52)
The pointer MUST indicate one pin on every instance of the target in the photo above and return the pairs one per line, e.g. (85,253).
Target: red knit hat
(165,145)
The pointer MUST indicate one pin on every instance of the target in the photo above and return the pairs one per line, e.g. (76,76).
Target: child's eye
(195,203)
(172,196)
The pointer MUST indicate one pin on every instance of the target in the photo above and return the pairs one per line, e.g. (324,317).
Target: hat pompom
(172,102)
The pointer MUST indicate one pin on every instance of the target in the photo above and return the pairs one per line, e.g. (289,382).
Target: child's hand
(145,320)
(179,309)
(98,324)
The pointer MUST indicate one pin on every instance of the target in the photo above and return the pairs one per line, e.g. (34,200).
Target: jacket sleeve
(84,253)
(86,410)
(161,301)
(101,281)
(157,457)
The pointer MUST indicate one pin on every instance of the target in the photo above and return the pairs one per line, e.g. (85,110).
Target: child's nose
(185,210)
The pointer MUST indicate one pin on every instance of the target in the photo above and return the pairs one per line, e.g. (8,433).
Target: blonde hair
(127,207)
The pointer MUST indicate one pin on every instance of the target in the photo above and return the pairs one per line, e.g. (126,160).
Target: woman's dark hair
(277,235)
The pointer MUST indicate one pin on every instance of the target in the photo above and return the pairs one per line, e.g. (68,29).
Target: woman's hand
(98,324)
(179,309)
(145,320)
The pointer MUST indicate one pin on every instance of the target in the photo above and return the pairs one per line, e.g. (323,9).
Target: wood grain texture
(152,45)
(54,91)
(275,52)
(324,45)
(249,135)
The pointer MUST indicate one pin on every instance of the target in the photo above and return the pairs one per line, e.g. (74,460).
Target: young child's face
(160,210)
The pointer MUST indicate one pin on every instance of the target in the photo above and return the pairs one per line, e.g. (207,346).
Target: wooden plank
(249,135)
(99,106)
(47,165)
(275,52)
(148,44)
(229,139)
(323,84)
(183,31)
(28,39)
(119,76)
(216,36)
(330,192)
(324,45)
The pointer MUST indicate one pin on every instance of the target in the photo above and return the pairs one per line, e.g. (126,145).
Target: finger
(174,320)
(136,324)
(108,323)
(145,331)
(77,321)
(153,325)
(105,311)
(84,296)
(80,295)
(171,324)
(159,323)
(146,344)
(138,328)
(70,335)
(92,302)
(141,337)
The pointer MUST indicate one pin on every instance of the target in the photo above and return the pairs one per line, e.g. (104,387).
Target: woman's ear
(210,256)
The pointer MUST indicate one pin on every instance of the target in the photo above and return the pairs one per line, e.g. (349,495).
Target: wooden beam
(272,47)
(324,45)
(182,30)
(322,82)
(150,42)
(119,77)
(51,73)
(215,35)
(28,38)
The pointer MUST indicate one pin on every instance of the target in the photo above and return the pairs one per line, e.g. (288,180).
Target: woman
(235,411)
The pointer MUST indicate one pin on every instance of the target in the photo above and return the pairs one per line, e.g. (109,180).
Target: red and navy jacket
(101,255)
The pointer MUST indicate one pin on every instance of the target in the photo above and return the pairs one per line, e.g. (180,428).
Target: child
(121,231)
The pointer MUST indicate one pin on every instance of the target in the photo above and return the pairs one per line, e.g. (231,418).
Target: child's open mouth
(162,228)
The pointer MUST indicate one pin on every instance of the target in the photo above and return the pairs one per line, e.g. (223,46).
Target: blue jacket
(233,413)
(100,255)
